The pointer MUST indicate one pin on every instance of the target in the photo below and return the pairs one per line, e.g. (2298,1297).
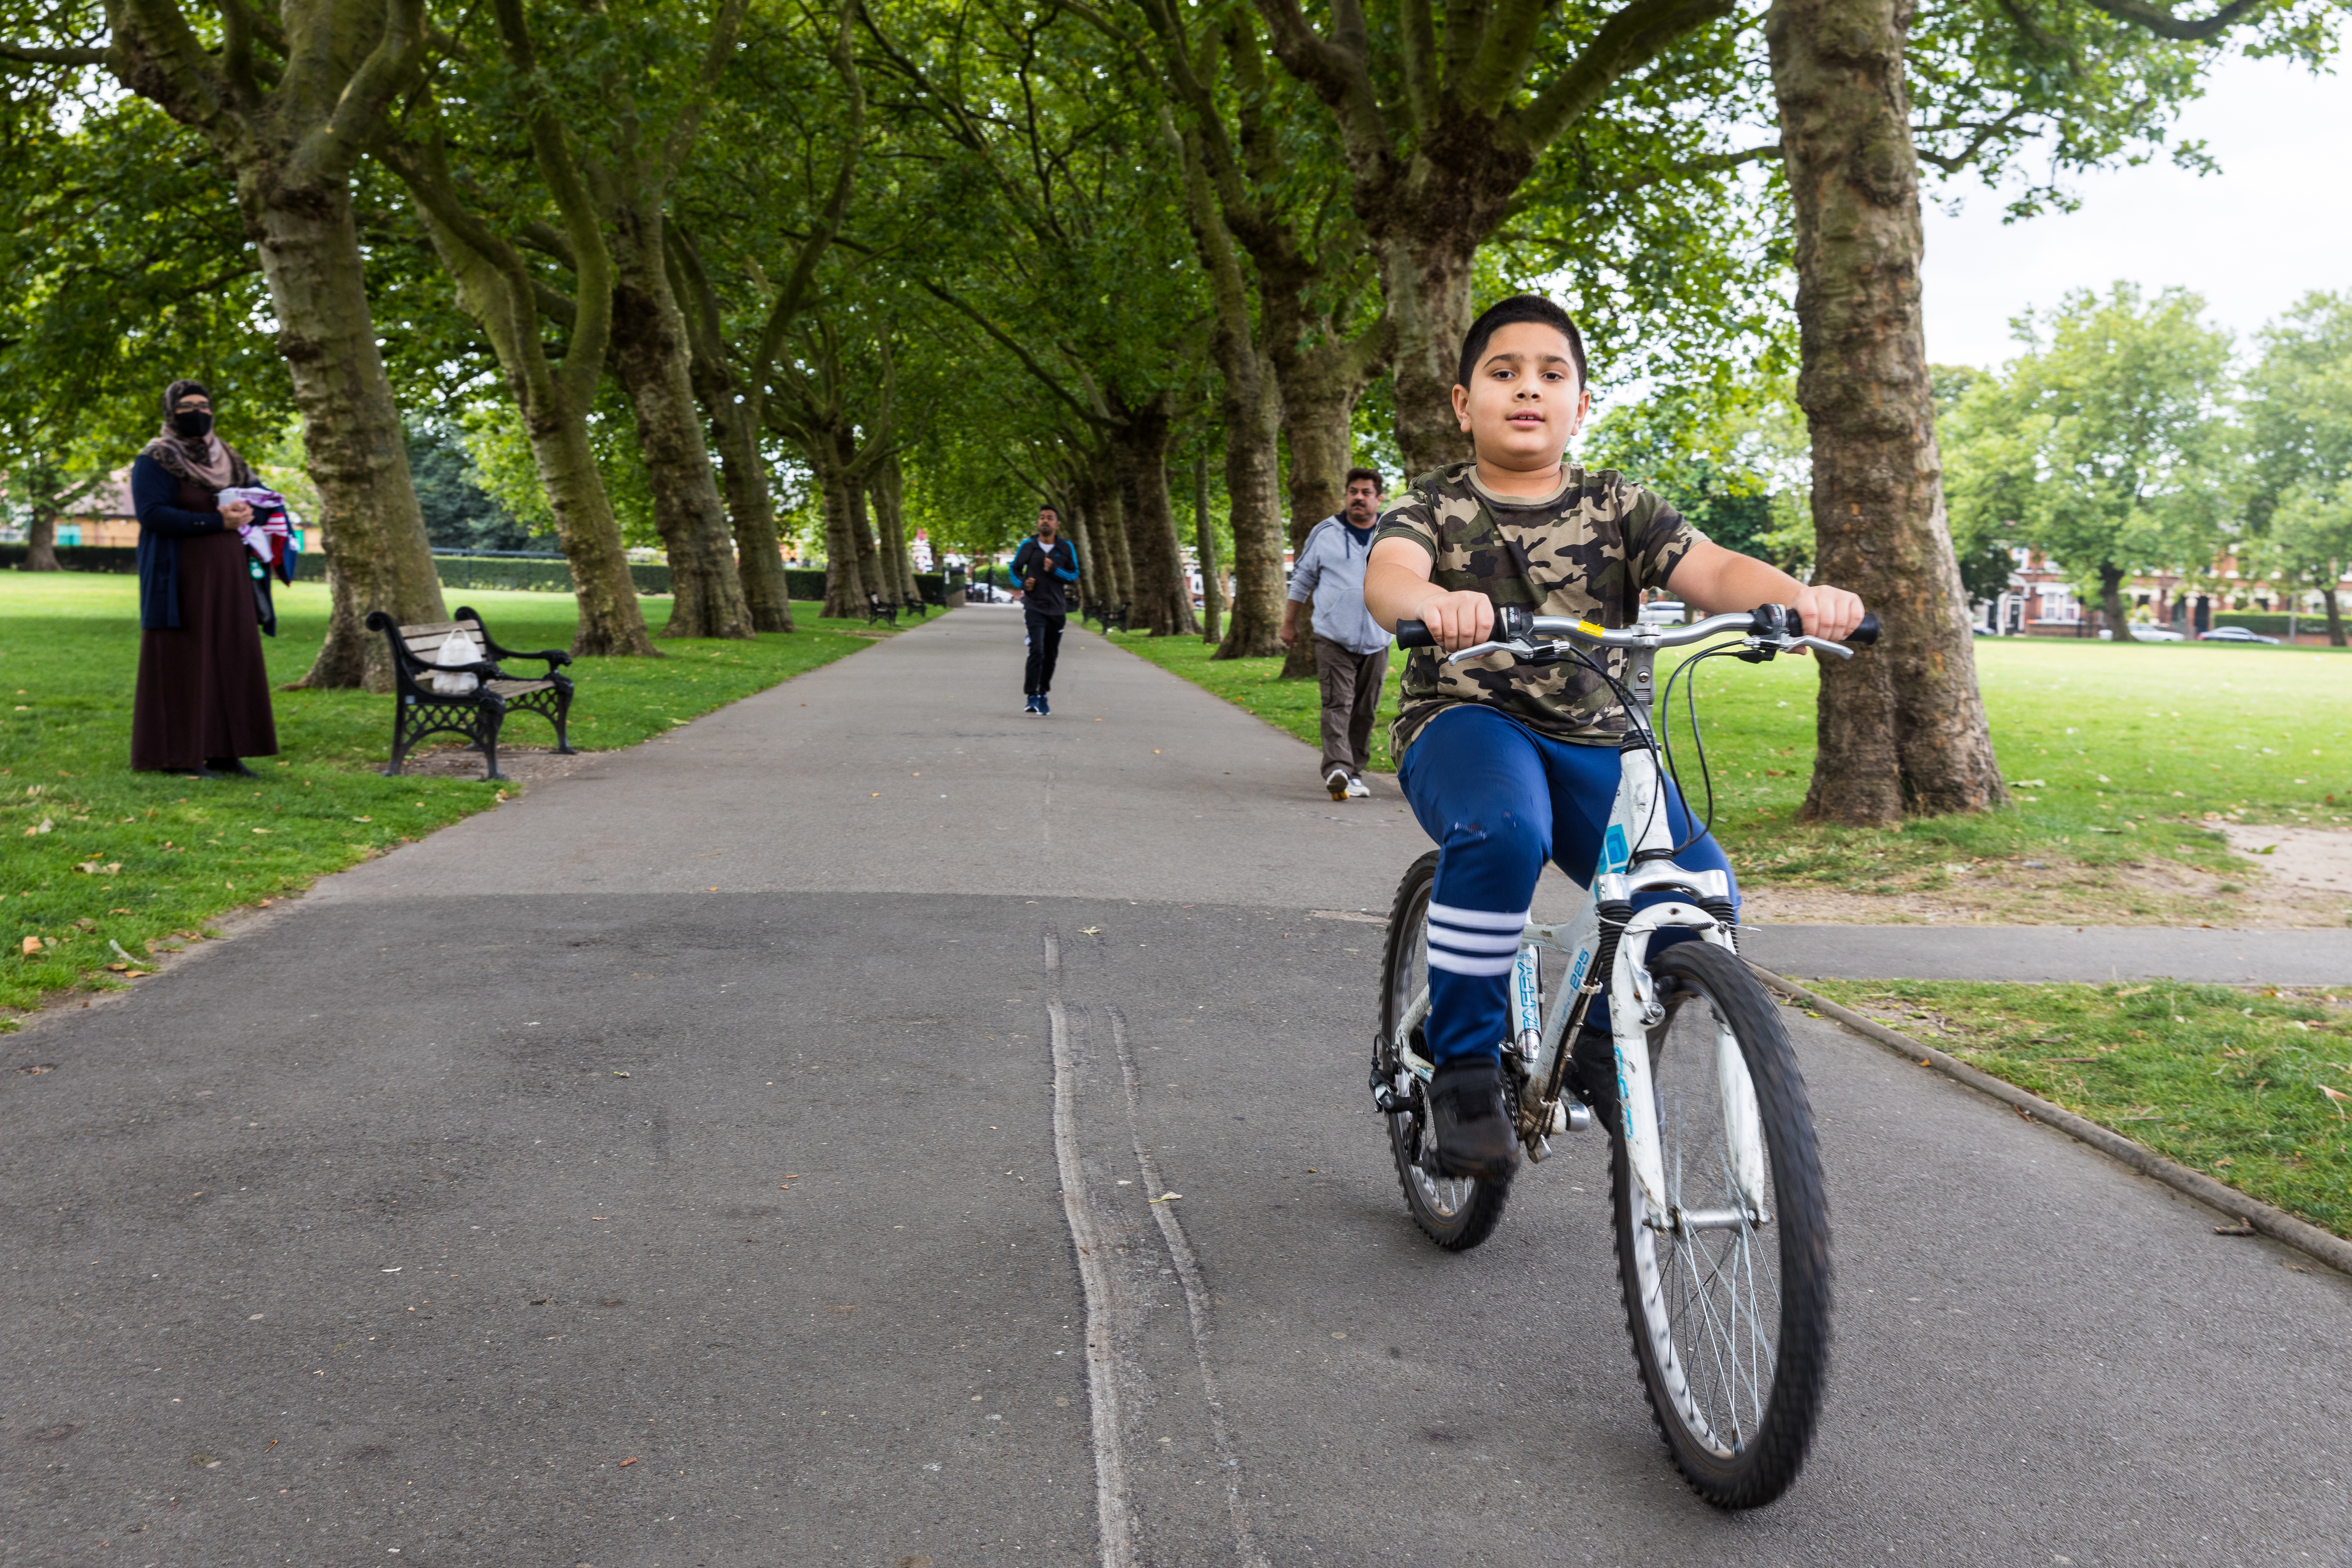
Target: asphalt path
(743,1152)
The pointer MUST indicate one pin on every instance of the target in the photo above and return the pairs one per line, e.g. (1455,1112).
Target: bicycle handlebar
(1775,622)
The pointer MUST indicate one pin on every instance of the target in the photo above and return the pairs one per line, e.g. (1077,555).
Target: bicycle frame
(1633,860)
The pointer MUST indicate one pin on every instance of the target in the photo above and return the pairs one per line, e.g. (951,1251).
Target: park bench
(421,709)
(880,609)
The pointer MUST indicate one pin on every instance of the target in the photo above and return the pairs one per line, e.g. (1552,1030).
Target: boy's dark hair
(1049,506)
(1505,312)
(1379,484)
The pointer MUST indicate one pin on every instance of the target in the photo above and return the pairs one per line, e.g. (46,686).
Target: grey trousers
(1352,698)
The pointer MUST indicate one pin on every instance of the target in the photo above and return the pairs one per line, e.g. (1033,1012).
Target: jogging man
(1045,566)
(1352,650)
(1505,767)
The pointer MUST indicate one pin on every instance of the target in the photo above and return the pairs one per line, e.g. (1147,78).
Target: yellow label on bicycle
(1591,629)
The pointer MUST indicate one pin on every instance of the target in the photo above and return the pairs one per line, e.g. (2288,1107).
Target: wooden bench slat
(520,687)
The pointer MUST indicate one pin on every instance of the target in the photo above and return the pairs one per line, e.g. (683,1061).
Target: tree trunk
(2111,599)
(41,541)
(1901,727)
(1081,534)
(845,585)
(889,489)
(649,354)
(861,536)
(1140,449)
(1425,279)
(751,509)
(611,622)
(1253,492)
(1106,508)
(494,288)
(1318,417)
(1205,546)
(2335,617)
(369,523)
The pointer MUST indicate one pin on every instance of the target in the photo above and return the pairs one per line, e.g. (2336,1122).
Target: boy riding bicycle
(1509,767)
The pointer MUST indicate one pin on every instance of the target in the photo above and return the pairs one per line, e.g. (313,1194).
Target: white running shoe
(1358,790)
(1336,781)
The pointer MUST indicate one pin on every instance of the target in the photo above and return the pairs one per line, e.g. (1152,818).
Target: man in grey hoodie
(1352,650)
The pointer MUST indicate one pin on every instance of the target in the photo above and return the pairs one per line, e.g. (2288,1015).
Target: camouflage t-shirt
(1588,550)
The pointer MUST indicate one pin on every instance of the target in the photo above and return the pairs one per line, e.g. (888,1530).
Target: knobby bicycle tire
(1457,1212)
(1684,1334)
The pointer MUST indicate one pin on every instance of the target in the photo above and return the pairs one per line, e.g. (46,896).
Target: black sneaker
(230,768)
(1469,1120)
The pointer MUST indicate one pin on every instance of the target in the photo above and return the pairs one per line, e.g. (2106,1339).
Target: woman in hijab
(204,694)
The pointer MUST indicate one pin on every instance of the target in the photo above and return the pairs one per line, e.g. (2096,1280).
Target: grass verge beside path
(93,855)
(2126,763)
(2253,1086)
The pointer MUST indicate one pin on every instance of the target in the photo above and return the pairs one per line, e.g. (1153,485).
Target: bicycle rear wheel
(1729,1314)
(1455,1212)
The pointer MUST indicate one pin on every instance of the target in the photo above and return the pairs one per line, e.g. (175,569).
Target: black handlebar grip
(1414,634)
(1862,636)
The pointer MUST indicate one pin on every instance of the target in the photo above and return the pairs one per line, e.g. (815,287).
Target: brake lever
(1517,647)
(1823,644)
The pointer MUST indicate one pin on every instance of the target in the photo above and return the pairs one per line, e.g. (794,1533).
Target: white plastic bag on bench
(458,649)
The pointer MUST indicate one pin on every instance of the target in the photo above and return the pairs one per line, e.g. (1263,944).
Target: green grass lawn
(98,856)
(2125,760)
(2233,1082)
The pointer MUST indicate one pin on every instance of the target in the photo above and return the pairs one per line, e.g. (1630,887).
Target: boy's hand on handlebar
(1829,614)
(1457,620)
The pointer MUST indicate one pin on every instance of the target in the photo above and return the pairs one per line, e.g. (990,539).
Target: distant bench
(422,709)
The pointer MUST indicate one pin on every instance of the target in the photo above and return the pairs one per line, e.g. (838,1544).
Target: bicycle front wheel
(1455,1212)
(1726,1297)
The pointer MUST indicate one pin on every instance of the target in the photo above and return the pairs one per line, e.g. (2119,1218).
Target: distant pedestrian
(1351,651)
(1045,566)
(202,698)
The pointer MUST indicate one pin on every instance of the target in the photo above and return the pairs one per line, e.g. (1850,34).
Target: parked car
(1664,612)
(2235,634)
(2153,633)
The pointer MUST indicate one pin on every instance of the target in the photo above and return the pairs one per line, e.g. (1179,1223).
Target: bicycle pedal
(1388,1102)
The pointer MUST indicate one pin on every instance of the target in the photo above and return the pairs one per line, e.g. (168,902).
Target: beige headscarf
(206,459)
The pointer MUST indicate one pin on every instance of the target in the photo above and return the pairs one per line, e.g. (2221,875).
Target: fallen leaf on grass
(31,945)
(2336,1095)
(46,825)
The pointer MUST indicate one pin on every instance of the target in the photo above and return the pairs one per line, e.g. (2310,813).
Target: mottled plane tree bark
(498,288)
(287,103)
(1441,124)
(1901,728)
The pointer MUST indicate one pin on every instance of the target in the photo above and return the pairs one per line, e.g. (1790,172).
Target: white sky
(2274,225)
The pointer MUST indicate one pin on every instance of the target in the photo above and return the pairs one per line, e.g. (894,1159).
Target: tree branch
(332,150)
(1627,40)
(1011,345)
(724,29)
(2165,25)
(32,55)
(1338,75)
(1504,46)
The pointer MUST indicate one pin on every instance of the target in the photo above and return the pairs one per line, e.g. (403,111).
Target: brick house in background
(2041,600)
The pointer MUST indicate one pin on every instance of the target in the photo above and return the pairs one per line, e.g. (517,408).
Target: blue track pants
(1500,800)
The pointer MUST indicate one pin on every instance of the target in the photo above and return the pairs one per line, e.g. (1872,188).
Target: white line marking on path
(1115,1517)
(1196,1302)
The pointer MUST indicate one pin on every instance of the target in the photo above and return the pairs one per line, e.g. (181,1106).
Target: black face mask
(195,424)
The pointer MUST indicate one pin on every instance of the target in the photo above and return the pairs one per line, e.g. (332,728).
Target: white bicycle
(1723,1234)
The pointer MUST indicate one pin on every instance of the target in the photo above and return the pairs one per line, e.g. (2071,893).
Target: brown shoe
(1336,781)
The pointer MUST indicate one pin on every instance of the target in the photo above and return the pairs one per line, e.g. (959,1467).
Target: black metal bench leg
(563,717)
(399,741)
(493,720)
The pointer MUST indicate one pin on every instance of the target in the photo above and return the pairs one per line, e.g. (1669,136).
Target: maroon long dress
(203,692)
